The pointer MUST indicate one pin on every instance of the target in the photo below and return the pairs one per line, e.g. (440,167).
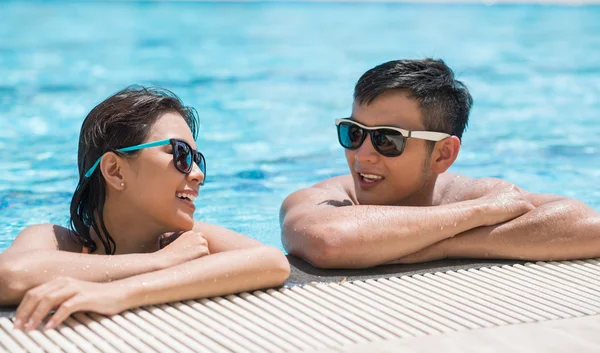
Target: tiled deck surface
(492,308)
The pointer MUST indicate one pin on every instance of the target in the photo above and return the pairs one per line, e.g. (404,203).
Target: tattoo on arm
(337,203)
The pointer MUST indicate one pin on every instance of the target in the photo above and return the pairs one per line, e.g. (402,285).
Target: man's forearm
(364,236)
(20,272)
(561,230)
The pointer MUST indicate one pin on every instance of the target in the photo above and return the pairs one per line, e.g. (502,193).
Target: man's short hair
(445,102)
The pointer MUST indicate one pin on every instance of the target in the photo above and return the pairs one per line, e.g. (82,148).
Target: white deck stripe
(500,296)
(581,295)
(491,318)
(539,291)
(500,285)
(330,316)
(199,335)
(158,332)
(92,320)
(505,312)
(20,337)
(434,319)
(261,326)
(296,337)
(93,338)
(8,342)
(79,341)
(291,318)
(375,312)
(367,329)
(129,328)
(323,315)
(327,330)
(62,342)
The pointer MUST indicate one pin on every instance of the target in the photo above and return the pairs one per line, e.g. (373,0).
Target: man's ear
(111,167)
(444,154)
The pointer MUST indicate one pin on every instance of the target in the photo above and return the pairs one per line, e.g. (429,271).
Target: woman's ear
(444,154)
(111,168)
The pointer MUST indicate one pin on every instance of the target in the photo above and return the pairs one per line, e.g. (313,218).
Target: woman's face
(153,184)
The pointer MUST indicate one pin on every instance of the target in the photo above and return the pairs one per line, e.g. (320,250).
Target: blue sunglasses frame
(197,157)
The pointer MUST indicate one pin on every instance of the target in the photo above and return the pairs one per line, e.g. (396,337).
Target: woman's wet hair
(445,102)
(123,119)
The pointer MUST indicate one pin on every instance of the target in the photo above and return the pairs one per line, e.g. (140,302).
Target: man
(398,204)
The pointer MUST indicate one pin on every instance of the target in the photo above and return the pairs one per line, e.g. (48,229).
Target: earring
(122,184)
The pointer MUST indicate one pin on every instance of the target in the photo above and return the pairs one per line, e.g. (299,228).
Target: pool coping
(303,273)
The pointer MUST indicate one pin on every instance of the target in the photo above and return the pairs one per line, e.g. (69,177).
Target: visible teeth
(371,176)
(186,196)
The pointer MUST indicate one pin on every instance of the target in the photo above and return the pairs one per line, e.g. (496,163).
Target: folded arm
(43,252)
(322,225)
(557,229)
(236,264)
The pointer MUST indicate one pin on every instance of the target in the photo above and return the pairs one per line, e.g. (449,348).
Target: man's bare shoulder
(336,191)
(451,188)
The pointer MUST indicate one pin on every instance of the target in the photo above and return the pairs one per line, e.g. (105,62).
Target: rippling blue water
(269,79)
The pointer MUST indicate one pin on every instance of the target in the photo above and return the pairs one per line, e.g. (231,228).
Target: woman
(139,173)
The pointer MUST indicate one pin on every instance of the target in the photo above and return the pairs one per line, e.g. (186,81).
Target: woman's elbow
(279,267)
(12,288)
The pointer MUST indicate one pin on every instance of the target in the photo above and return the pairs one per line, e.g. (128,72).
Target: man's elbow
(12,288)
(321,249)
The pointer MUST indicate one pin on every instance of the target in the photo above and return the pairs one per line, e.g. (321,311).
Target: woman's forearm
(218,274)
(22,271)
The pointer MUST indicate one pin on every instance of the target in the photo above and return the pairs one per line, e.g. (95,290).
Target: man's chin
(369,198)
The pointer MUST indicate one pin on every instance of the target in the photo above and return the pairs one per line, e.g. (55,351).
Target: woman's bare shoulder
(45,237)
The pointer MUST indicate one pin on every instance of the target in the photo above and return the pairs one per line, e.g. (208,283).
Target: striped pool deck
(427,310)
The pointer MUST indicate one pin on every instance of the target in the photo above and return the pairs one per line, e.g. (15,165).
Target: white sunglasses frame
(422,135)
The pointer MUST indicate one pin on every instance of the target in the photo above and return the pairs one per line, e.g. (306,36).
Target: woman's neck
(130,232)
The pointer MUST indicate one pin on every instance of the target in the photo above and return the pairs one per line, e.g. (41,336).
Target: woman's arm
(223,273)
(42,253)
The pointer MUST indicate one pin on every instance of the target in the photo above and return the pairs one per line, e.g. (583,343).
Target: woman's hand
(182,247)
(66,296)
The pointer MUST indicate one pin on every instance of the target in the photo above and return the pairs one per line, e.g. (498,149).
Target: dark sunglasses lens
(389,143)
(182,153)
(350,135)
(201,162)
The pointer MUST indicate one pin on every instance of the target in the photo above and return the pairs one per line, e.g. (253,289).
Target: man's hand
(504,203)
(66,296)
(181,247)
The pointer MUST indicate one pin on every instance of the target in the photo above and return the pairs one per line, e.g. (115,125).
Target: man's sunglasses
(388,141)
(184,156)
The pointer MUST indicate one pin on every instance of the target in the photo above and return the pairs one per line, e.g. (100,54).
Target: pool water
(268,80)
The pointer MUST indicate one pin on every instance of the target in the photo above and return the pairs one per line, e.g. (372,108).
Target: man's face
(380,180)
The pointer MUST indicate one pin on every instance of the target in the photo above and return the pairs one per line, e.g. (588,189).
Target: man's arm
(322,225)
(558,229)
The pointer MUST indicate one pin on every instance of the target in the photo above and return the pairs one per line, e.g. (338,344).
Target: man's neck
(425,196)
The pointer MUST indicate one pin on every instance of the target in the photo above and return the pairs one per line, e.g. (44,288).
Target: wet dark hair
(123,119)
(445,102)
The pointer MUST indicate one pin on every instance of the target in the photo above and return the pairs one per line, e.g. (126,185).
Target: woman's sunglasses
(388,141)
(184,156)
